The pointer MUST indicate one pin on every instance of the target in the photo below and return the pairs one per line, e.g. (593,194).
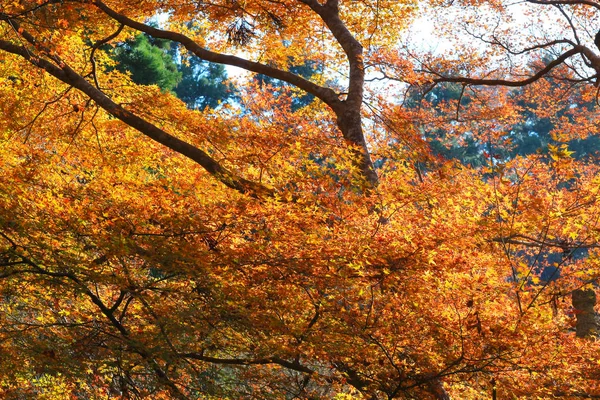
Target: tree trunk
(584,301)
(350,123)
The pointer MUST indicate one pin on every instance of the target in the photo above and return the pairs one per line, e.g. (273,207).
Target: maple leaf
(363,243)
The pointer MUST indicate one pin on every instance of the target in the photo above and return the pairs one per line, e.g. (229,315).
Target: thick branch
(584,301)
(327,95)
(329,13)
(72,78)
(352,376)
(348,112)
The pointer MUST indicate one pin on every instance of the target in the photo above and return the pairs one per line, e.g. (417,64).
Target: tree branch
(504,82)
(296,366)
(67,75)
(328,96)
(348,112)
(329,13)
(134,345)
(565,2)
(525,240)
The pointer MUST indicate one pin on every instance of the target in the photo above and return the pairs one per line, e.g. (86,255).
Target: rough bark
(348,111)
(584,301)
(328,96)
(350,124)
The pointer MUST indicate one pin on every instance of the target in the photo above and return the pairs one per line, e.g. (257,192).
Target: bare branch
(566,2)
(96,46)
(570,21)
(504,82)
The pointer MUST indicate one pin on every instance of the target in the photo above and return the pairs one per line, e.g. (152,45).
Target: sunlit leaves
(128,270)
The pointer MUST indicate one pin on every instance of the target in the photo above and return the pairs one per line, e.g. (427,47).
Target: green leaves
(158,62)
(148,63)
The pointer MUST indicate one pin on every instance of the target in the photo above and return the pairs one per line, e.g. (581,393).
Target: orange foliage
(148,250)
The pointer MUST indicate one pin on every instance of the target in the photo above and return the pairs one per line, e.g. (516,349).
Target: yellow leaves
(393,18)
(63,23)
(52,387)
(559,152)
(347,396)
(356,267)
(64,313)
(414,271)
(431,256)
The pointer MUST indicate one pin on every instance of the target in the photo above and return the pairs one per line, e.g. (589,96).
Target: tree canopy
(310,239)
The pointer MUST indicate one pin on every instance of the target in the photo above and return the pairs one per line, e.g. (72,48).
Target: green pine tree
(150,61)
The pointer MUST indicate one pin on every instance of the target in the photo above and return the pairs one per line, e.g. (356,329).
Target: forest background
(356,217)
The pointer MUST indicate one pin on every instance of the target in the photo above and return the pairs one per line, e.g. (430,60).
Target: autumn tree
(563,53)
(253,250)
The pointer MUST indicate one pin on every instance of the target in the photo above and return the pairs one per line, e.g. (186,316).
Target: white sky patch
(421,35)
